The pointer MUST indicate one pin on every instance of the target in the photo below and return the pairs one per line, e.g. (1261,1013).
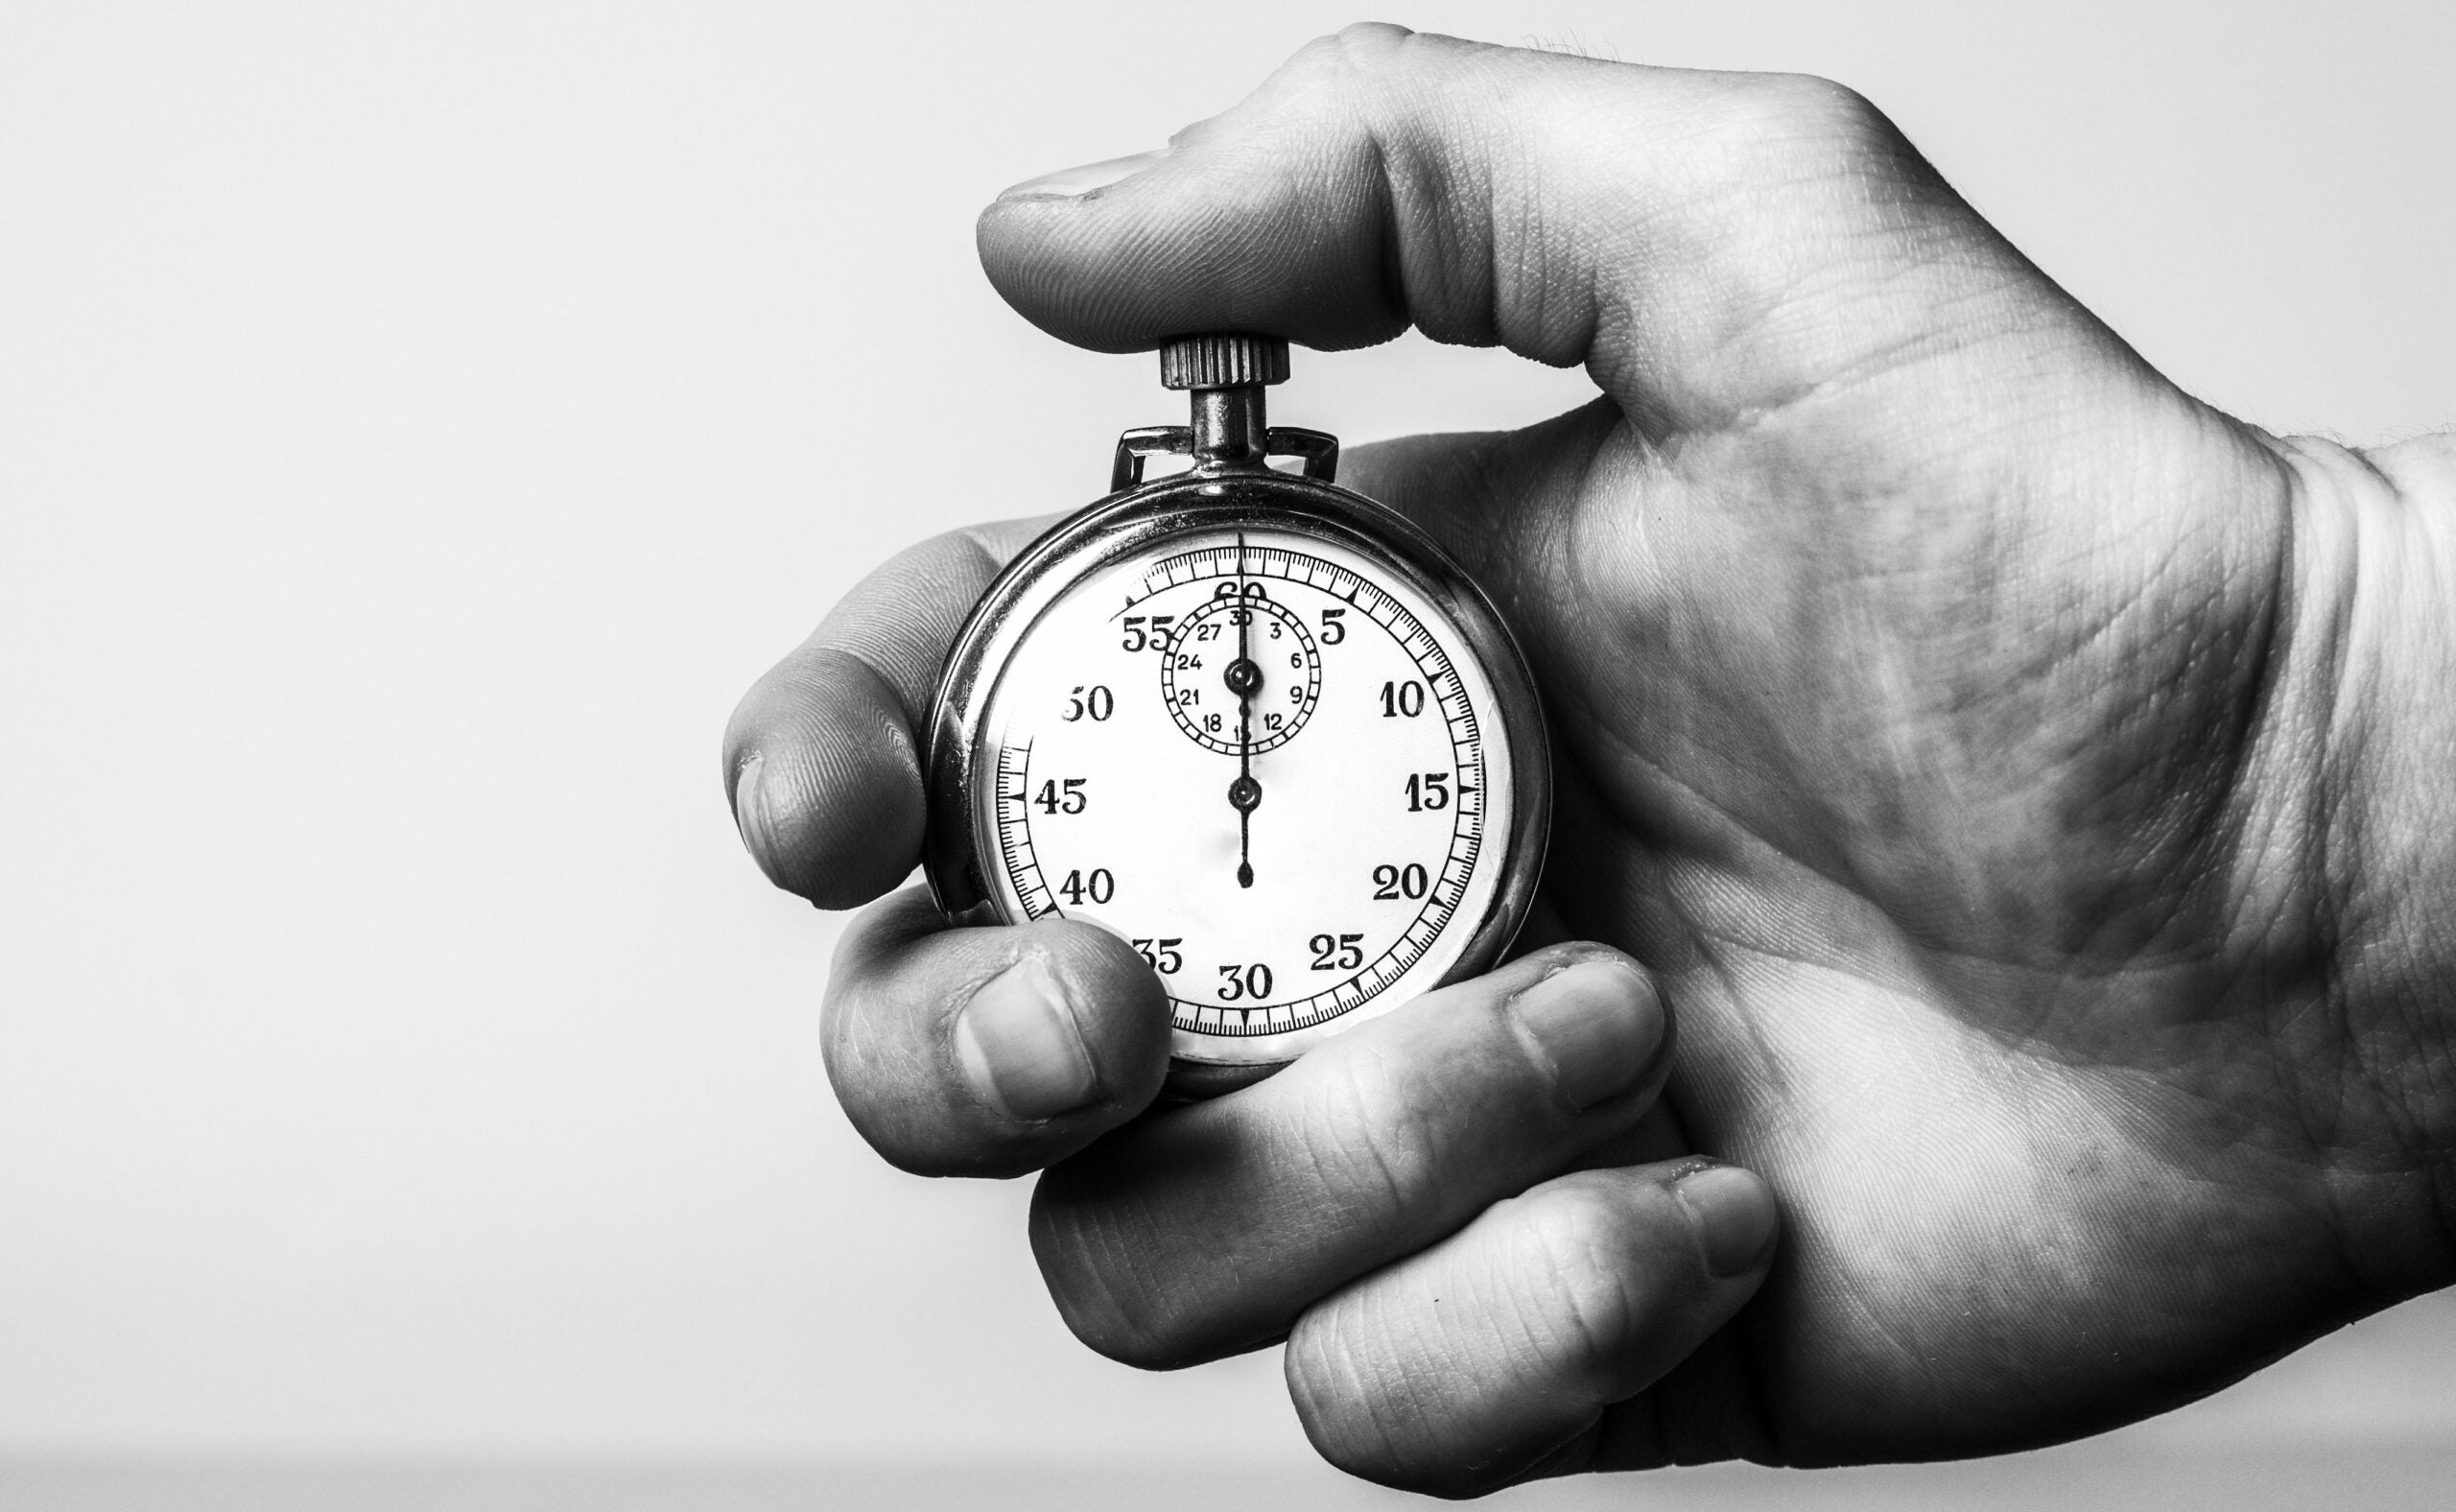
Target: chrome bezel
(962,824)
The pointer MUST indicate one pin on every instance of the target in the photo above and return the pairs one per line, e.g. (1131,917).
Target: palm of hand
(1909,777)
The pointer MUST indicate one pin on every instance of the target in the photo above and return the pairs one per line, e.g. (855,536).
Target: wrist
(2357,840)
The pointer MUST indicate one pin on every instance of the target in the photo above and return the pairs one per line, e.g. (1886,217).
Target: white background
(418,423)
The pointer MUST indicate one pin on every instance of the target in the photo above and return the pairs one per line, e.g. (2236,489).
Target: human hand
(1984,743)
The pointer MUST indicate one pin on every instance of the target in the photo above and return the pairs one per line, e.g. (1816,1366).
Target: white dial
(1263,757)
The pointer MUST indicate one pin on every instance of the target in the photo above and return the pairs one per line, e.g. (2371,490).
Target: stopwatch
(1260,727)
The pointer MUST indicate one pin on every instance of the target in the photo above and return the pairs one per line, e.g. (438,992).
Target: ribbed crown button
(1222,361)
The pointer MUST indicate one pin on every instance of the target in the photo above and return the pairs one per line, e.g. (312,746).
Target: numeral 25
(1337,951)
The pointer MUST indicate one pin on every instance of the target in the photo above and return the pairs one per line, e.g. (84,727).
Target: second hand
(1244,679)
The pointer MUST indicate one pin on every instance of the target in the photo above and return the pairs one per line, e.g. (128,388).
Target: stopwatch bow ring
(1225,375)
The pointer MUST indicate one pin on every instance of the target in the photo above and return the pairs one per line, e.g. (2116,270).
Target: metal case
(1239,492)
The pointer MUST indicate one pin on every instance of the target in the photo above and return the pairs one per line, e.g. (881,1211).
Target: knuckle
(1813,102)
(1360,46)
(1374,1143)
(1578,1239)
(1357,60)
(1801,122)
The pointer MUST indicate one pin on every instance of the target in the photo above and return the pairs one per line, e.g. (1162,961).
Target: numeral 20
(1400,882)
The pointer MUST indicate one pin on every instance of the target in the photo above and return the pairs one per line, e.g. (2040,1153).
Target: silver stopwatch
(1262,729)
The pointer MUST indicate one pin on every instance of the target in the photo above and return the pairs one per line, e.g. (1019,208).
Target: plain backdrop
(417,425)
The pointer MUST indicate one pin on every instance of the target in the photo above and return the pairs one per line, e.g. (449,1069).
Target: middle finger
(1207,1230)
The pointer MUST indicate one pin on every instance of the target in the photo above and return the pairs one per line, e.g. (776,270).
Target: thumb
(1709,245)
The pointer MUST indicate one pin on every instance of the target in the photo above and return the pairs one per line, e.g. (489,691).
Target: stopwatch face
(1272,756)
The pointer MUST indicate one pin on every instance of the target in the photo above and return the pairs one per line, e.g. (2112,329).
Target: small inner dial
(1242,672)
(1148,778)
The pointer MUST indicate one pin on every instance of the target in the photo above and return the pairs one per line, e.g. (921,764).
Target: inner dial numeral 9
(1241,619)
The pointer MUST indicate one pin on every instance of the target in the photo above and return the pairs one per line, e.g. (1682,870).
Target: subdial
(1241,674)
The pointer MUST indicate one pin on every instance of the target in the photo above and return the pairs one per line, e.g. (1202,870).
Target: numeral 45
(1062,796)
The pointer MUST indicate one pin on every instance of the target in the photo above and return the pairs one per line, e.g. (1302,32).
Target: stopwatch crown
(1222,360)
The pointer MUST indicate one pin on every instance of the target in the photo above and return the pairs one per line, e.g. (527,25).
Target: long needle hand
(1244,679)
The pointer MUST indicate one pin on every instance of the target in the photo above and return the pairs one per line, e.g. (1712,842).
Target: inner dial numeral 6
(1212,701)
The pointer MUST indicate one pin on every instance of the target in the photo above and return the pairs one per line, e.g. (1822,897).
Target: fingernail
(1068,183)
(752,819)
(1599,1023)
(1020,1048)
(1735,1214)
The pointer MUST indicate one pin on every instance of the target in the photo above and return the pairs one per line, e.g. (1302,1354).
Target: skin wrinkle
(1508,306)
(1714,959)
(1911,1362)
(1400,1144)
(1790,292)
(1421,1419)
(1452,1334)
(1566,1227)
(1441,318)
(1419,259)
(2336,829)
(1566,1243)
(2326,739)
(1711,962)
(1899,354)
(1513,1313)
(1860,882)
(1411,1402)
(1105,1268)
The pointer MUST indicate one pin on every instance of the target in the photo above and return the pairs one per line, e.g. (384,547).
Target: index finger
(822,758)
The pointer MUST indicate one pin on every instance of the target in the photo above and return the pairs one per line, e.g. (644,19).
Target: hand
(1996,754)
